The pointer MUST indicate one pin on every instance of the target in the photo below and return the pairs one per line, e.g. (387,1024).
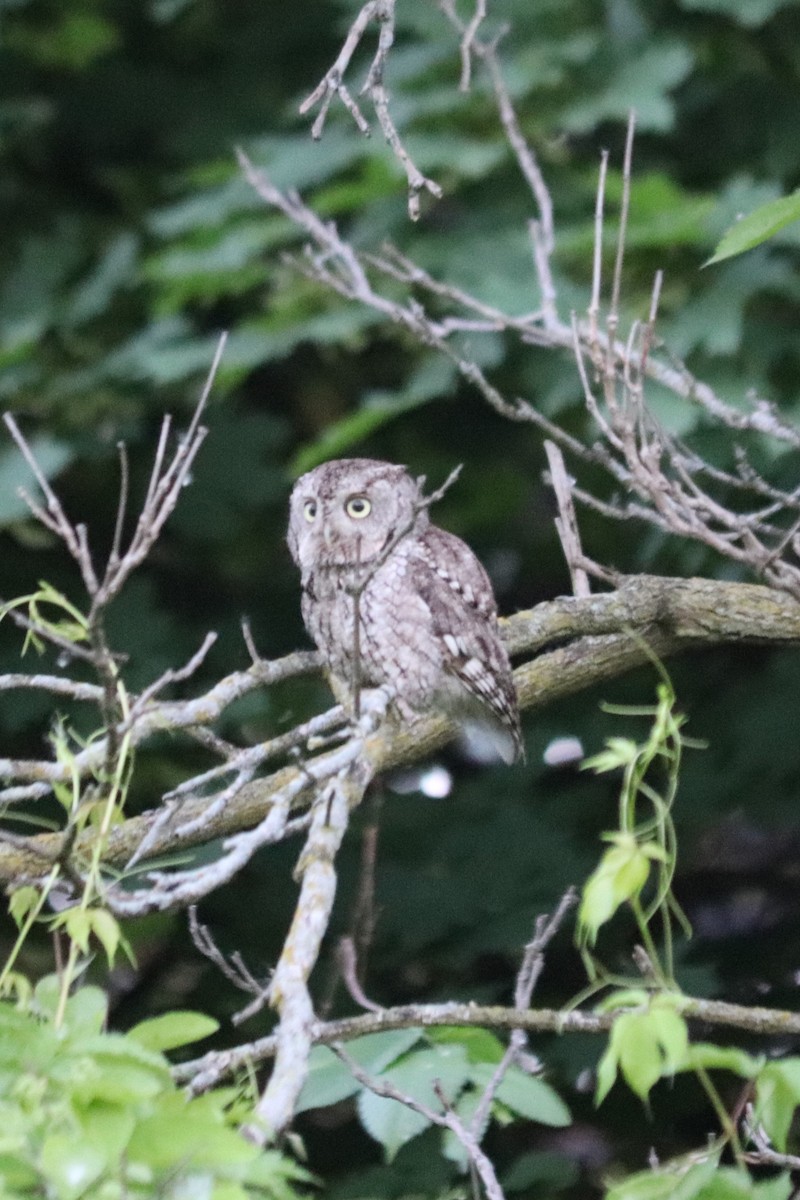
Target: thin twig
(566,521)
(597,258)
(447,1118)
(468,42)
(616,290)
(332,84)
(234,969)
(527,978)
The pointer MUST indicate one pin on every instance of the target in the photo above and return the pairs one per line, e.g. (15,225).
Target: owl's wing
(458,595)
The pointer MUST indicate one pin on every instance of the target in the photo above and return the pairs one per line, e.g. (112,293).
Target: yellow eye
(358,507)
(310,510)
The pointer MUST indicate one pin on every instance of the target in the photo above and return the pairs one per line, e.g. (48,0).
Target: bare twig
(57,684)
(616,290)
(468,42)
(446,1118)
(566,521)
(765,1153)
(527,978)
(234,969)
(332,84)
(174,675)
(347,961)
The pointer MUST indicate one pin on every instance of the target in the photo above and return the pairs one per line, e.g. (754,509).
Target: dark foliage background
(130,240)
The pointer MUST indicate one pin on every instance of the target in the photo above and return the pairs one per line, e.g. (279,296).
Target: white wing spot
(452,644)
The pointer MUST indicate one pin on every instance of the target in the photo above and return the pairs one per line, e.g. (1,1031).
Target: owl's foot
(373,706)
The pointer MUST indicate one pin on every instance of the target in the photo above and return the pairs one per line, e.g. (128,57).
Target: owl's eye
(358,507)
(310,510)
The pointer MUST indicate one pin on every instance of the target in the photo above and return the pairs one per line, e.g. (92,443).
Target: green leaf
(115,1069)
(113,270)
(187,1132)
(550,1171)
(465,1108)
(173,1029)
(70,1164)
(644,1046)
(620,876)
(526,1095)
(481,1045)
(86,1011)
(671,1034)
(763,223)
(722,1058)
(342,435)
(118,1047)
(641,82)
(619,752)
(107,931)
(73,42)
(115,1083)
(18,1174)
(389,1122)
(274,1174)
(780,1187)
(734,1183)
(432,377)
(606,1076)
(329,1080)
(672,1181)
(777,1097)
(23,901)
(637,1047)
(47,994)
(107,1128)
(392,1123)
(623,998)
(77,924)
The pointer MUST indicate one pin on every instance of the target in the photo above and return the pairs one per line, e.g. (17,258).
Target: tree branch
(205,1072)
(670,615)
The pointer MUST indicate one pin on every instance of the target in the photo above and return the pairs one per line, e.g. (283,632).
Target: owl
(393,601)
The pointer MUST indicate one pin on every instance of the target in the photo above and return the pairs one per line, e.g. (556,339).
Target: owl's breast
(393,641)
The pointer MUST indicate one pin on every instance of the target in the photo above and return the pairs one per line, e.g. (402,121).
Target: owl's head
(346,511)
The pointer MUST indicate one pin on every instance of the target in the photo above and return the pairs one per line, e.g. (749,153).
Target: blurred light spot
(585,1081)
(437,782)
(434,781)
(480,744)
(563,751)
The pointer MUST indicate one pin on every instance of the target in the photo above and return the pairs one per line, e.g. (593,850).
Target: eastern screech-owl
(427,620)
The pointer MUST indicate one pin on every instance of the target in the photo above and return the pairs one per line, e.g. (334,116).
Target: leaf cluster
(441,1066)
(88,1113)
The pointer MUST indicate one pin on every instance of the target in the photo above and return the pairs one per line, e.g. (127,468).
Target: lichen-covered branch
(205,1072)
(595,642)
